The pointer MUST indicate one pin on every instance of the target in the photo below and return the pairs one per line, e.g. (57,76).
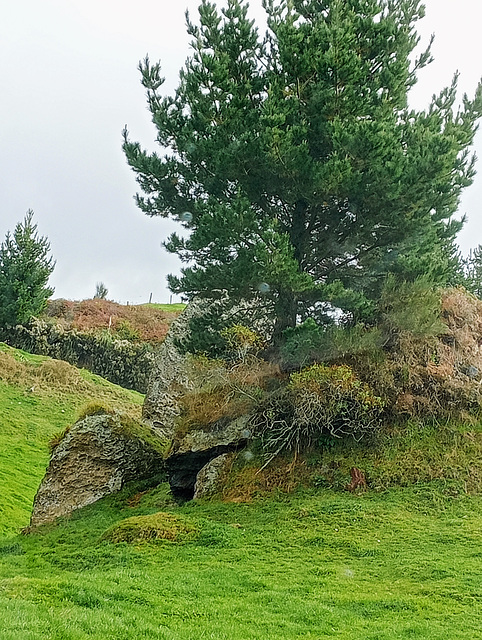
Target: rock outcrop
(209,479)
(170,375)
(96,457)
(198,447)
(169,378)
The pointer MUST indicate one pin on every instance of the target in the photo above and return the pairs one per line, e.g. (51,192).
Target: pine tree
(473,271)
(294,161)
(101,291)
(25,268)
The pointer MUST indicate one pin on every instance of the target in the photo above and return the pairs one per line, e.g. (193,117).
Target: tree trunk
(286,309)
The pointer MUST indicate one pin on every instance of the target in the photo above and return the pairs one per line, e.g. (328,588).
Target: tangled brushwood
(317,401)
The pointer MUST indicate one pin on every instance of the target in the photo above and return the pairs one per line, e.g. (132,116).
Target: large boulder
(198,447)
(96,457)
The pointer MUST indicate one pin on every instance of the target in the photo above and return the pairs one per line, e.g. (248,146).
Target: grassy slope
(28,419)
(387,565)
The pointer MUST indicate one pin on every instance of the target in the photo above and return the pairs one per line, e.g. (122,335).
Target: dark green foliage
(25,267)
(473,271)
(411,307)
(204,334)
(101,291)
(310,342)
(404,308)
(125,331)
(295,162)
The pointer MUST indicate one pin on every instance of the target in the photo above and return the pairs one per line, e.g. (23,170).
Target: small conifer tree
(101,291)
(25,267)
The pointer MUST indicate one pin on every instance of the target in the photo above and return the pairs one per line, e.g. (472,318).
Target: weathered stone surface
(189,455)
(170,375)
(209,479)
(95,458)
(169,378)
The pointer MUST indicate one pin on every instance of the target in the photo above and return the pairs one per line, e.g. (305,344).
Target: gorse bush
(241,341)
(125,331)
(318,400)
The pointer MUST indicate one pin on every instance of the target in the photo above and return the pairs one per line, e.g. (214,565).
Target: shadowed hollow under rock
(198,447)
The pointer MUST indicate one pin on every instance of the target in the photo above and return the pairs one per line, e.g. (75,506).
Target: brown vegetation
(137,322)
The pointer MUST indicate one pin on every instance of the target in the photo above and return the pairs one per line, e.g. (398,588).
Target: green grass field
(40,397)
(398,563)
(175,307)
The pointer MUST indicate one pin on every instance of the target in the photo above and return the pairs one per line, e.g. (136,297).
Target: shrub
(411,307)
(309,342)
(316,401)
(125,331)
(223,391)
(241,341)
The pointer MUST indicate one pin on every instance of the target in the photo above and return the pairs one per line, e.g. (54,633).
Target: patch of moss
(156,527)
(132,428)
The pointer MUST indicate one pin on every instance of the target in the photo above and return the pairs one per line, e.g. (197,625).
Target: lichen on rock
(95,458)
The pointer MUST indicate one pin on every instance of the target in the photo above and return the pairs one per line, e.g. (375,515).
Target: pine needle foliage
(293,160)
(25,268)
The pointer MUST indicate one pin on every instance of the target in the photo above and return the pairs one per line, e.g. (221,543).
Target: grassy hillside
(390,563)
(317,564)
(40,397)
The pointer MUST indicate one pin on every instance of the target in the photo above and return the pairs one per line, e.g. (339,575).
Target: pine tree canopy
(294,161)
(25,268)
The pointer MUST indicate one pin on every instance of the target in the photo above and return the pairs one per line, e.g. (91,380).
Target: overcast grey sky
(68,72)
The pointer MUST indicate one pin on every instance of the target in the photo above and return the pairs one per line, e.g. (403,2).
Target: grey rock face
(197,448)
(170,378)
(209,478)
(95,458)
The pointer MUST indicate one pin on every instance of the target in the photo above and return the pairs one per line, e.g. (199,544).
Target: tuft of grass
(152,528)
(57,438)
(95,408)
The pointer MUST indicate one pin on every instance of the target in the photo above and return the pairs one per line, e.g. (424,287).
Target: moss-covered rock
(94,458)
